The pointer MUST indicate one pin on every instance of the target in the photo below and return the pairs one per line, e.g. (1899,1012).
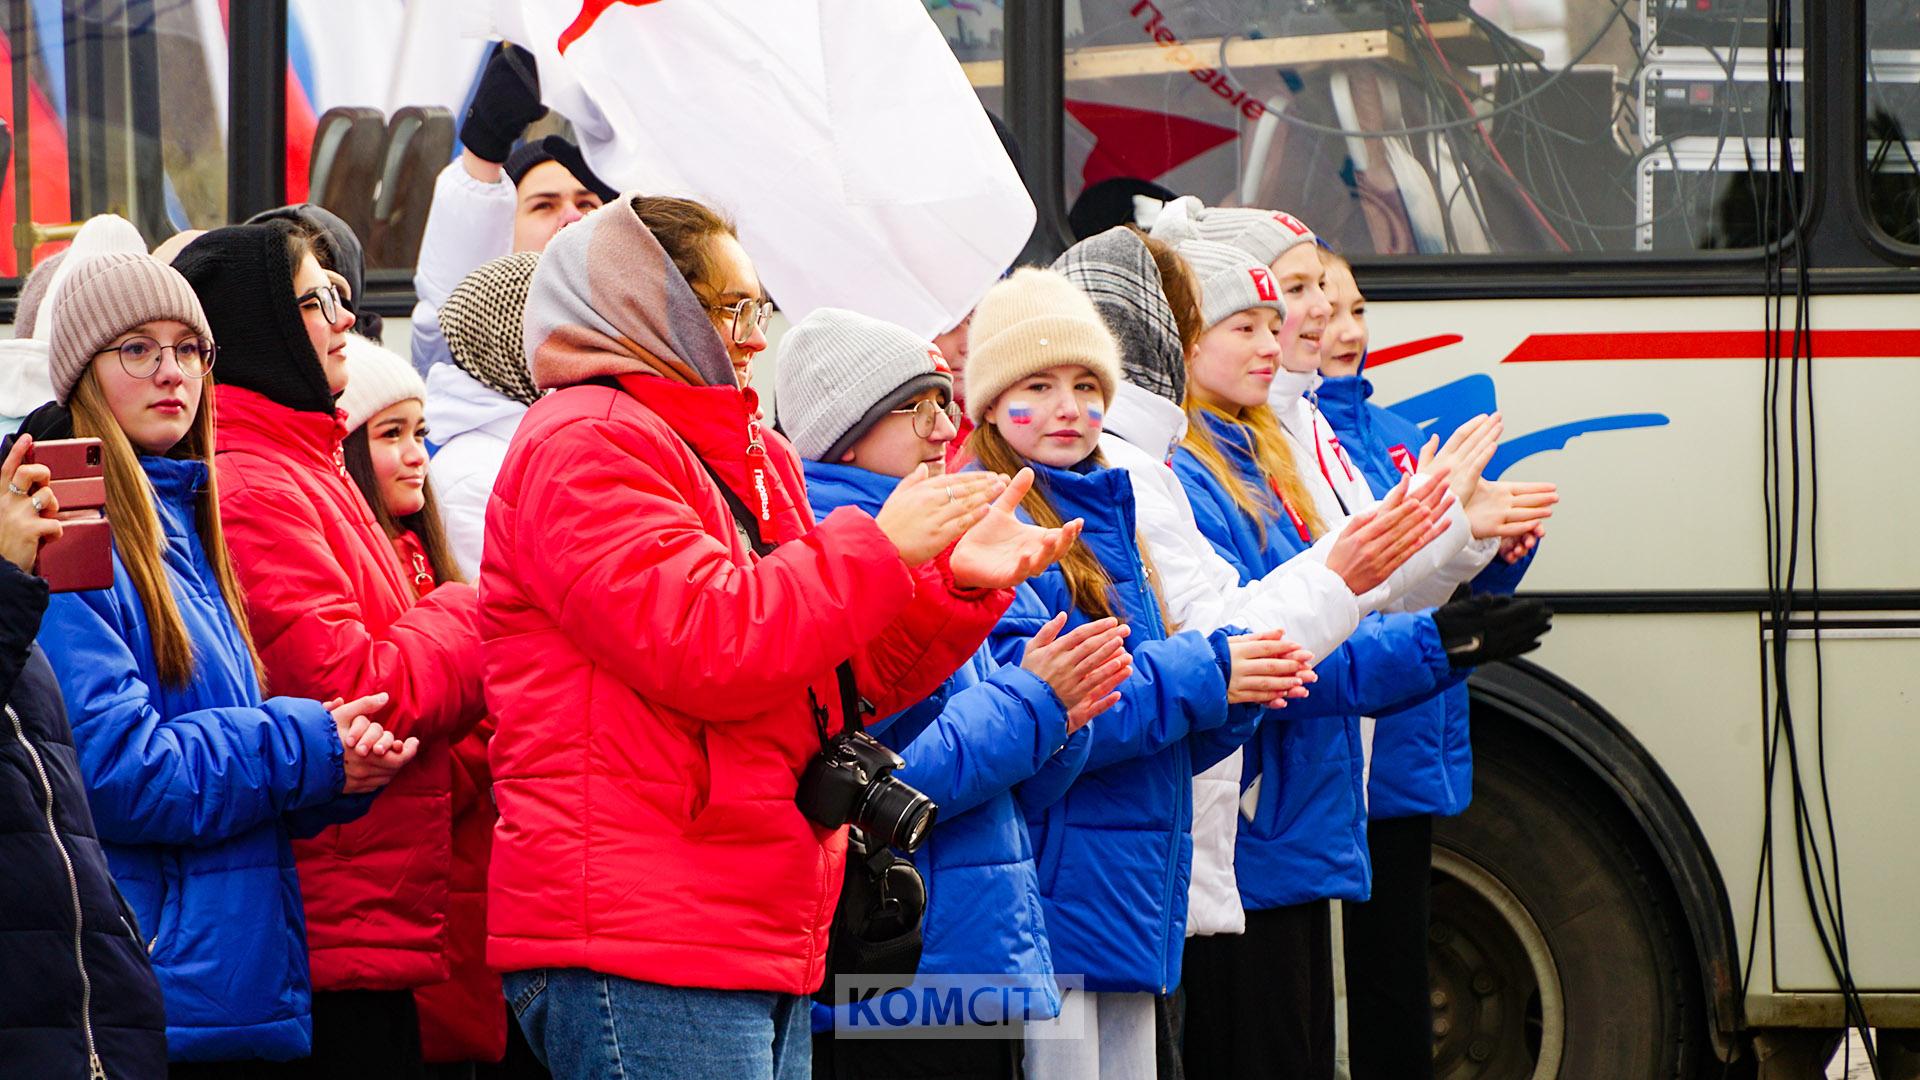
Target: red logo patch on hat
(1293,224)
(939,361)
(1263,284)
(1402,458)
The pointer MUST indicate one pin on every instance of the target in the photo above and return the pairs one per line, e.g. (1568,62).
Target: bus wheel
(1556,947)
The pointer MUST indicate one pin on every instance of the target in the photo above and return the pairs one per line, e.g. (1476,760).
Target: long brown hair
(137,536)
(423,523)
(1087,580)
(1272,455)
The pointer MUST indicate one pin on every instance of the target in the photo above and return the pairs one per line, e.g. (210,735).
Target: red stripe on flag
(1382,357)
(1709,345)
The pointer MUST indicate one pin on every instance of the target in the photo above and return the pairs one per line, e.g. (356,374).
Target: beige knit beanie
(106,296)
(377,378)
(1030,322)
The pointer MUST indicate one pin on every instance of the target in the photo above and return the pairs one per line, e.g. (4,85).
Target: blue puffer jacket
(1307,837)
(1115,853)
(195,790)
(967,747)
(1422,755)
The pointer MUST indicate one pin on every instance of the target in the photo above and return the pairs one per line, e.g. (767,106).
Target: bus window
(1893,117)
(112,114)
(1500,126)
(373,112)
(976,31)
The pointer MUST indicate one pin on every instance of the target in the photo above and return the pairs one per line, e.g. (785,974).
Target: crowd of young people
(346,776)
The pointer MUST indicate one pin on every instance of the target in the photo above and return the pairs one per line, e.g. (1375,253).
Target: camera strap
(851,703)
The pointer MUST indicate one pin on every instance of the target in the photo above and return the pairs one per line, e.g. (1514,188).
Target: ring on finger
(949,490)
(39,502)
(16,489)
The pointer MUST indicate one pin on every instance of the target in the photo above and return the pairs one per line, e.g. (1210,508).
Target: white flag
(841,135)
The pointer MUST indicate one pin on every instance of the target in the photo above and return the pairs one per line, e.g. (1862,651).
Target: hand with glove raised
(507,100)
(1483,629)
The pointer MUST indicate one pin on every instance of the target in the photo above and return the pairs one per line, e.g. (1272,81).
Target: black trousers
(916,1059)
(357,1034)
(1389,1004)
(1260,1004)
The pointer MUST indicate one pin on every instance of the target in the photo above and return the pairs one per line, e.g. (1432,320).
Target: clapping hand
(1000,551)
(1085,666)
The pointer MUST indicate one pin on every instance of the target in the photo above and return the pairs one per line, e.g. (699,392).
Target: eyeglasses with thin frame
(748,315)
(927,413)
(329,299)
(141,356)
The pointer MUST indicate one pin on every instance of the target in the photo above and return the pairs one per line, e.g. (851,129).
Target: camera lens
(895,814)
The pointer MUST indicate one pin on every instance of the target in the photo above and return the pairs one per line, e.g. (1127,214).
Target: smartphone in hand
(82,558)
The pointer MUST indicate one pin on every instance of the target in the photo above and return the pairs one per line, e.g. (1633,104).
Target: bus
(1675,242)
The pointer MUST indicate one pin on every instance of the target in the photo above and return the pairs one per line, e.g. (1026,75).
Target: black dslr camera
(849,783)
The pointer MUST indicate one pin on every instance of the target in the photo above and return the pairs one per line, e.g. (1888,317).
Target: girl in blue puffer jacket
(1262,1006)
(866,404)
(1422,756)
(196,783)
(1114,853)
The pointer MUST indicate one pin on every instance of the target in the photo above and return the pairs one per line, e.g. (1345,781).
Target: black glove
(507,100)
(1483,629)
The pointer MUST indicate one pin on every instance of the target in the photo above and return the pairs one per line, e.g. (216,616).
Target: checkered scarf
(1116,270)
(481,321)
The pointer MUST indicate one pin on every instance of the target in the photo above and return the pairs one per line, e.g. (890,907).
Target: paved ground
(1851,1062)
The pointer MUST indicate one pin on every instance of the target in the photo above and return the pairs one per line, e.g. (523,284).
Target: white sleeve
(468,224)
(463,514)
(1203,591)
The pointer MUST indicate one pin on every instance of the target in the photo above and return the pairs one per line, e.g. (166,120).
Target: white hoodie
(472,424)
(1203,592)
(469,224)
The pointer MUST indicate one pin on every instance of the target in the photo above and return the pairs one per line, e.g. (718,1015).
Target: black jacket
(48,1010)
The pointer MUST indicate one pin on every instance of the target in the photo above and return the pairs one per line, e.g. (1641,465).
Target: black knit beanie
(241,276)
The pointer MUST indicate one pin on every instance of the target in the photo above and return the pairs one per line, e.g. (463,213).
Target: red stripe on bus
(1710,345)
(1381,357)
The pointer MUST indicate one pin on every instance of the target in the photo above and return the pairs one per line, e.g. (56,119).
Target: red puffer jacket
(650,678)
(464,1018)
(333,615)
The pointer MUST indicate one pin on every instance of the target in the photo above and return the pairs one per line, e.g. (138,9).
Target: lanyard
(1299,523)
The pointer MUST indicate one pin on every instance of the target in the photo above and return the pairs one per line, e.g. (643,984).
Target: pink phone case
(82,558)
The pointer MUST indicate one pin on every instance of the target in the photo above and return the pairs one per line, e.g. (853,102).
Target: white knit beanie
(1264,234)
(840,371)
(376,379)
(1230,280)
(1034,320)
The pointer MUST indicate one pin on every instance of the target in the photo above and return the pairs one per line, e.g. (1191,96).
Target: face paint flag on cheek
(1020,414)
(1095,416)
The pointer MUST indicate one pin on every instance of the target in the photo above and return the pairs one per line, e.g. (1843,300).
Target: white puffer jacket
(1203,592)
(469,223)
(476,424)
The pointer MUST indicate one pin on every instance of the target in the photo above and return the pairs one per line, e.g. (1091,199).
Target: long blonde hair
(137,534)
(1271,455)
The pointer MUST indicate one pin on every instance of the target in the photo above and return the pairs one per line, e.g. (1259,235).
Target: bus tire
(1557,947)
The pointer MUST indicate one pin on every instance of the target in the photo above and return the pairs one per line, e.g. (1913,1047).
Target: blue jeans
(587,1026)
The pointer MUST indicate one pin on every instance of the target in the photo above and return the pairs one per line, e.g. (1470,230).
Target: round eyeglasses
(748,315)
(328,297)
(927,413)
(140,357)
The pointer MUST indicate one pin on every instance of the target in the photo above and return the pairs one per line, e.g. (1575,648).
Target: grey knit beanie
(26,309)
(482,321)
(840,372)
(1264,234)
(1230,280)
(106,296)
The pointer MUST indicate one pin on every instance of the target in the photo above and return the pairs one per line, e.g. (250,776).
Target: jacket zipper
(95,1069)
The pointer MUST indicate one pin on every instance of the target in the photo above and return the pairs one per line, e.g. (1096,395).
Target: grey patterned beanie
(840,372)
(1117,272)
(481,322)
